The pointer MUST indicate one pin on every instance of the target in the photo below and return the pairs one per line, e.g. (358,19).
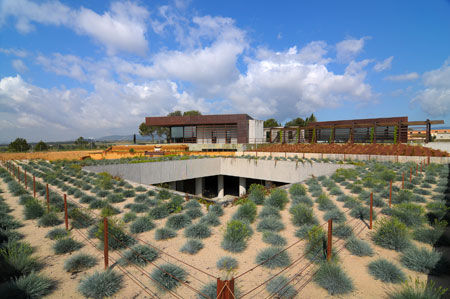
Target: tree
(41,146)
(175,113)
(270,123)
(81,142)
(19,145)
(192,112)
(296,122)
(310,119)
(145,130)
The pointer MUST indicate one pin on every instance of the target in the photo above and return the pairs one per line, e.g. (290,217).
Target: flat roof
(191,120)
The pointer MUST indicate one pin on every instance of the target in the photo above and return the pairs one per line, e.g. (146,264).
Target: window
(228,136)
(213,136)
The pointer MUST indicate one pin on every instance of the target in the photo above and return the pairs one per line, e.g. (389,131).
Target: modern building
(438,134)
(209,129)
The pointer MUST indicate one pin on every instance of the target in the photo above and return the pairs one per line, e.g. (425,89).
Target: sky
(98,68)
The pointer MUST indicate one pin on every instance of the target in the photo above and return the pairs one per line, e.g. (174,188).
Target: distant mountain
(124,138)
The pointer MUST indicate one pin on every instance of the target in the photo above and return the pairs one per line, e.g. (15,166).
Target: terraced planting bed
(273,242)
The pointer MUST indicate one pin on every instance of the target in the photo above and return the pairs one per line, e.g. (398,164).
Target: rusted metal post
(390,193)
(105,241)
(428,160)
(25,179)
(34,186)
(410,174)
(371,210)
(330,238)
(417,168)
(66,217)
(403,180)
(225,289)
(48,198)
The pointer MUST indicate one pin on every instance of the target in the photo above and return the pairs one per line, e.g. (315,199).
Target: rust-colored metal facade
(222,128)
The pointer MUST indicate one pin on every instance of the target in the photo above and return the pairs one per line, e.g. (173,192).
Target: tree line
(296,122)
(21,145)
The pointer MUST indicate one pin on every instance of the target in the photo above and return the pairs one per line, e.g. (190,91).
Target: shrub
(210,290)
(163,194)
(316,247)
(301,214)
(192,204)
(98,204)
(159,212)
(331,277)
(420,290)
(304,230)
(342,231)
(256,194)
(386,271)
(430,235)
(198,231)
(325,203)
(80,219)
(336,215)
(246,212)
(236,235)
(66,245)
(279,287)
(115,198)
(303,199)
(33,209)
(216,209)
(297,190)
(142,224)
(128,217)
(128,193)
(49,219)
(192,246)
(57,233)
(269,211)
(32,286)
(141,189)
(101,284)
(79,194)
(270,224)
(402,196)
(117,238)
(178,221)
(194,213)
(80,262)
(16,260)
(168,277)
(391,234)
(140,255)
(409,213)
(139,208)
(87,199)
(25,198)
(210,219)
(273,258)
(362,212)
(358,247)
(273,239)
(164,234)
(227,263)
(356,189)
(420,259)
(352,203)
(278,198)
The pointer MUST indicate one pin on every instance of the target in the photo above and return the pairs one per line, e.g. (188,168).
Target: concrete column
(199,186)
(267,184)
(242,189)
(173,185)
(220,189)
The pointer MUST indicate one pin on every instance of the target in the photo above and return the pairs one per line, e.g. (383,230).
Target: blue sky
(96,68)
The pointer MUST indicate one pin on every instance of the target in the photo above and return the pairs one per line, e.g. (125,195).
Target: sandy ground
(356,267)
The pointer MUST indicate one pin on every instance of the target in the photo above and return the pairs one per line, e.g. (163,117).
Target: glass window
(190,131)
(176,132)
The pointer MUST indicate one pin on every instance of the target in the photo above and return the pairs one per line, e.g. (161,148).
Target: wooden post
(34,186)
(371,210)
(225,289)
(390,193)
(48,198)
(403,180)
(66,217)
(25,179)
(105,241)
(330,238)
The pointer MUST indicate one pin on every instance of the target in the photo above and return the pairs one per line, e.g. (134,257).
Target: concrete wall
(255,131)
(169,171)
(443,146)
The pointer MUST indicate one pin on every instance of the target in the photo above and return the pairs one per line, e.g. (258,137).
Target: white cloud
(348,49)
(122,28)
(383,65)
(66,65)
(403,77)
(15,52)
(19,66)
(435,98)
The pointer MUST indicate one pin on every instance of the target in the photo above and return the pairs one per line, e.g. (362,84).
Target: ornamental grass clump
(402,196)
(164,234)
(277,198)
(216,209)
(197,231)
(80,262)
(362,212)
(31,286)
(273,257)
(246,212)
(139,207)
(358,247)
(270,223)
(16,260)
(57,233)
(178,221)
(66,245)
(194,213)
(210,219)
(303,199)
(324,202)
(80,218)
(297,190)
(332,277)
(97,204)
(101,284)
(386,271)
(418,289)
(273,239)
(391,234)
(87,199)
(336,215)
(192,204)
(163,194)
(236,235)
(117,237)
(342,231)
(430,235)
(141,224)
(33,209)
(257,194)
(115,198)
(269,211)
(301,214)
(227,263)
(159,212)
(128,217)
(280,287)
(409,213)
(168,277)
(192,246)
(420,259)
(140,255)
(49,219)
